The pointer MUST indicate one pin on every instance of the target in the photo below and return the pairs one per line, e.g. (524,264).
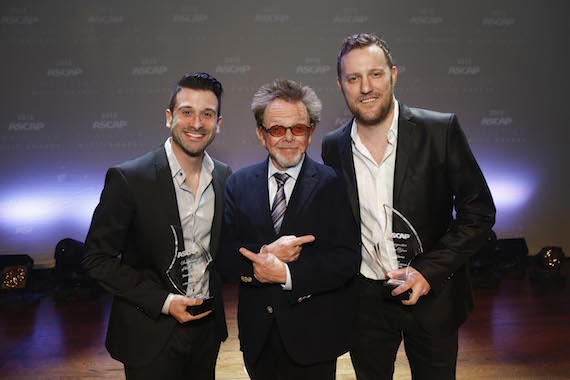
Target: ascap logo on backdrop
(313,66)
(464,66)
(498,19)
(105,16)
(271,14)
(149,66)
(426,16)
(350,16)
(64,68)
(496,118)
(232,65)
(190,15)
(18,16)
(109,120)
(26,122)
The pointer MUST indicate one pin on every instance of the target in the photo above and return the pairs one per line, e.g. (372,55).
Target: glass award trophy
(406,240)
(188,270)
(407,245)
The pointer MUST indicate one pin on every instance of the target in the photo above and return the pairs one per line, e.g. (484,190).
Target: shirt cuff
(289,283)
(166,305)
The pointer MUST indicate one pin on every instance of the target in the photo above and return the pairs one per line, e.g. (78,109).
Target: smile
(368,100)
(194,135)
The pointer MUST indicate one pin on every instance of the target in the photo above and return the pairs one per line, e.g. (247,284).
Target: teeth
(368,100)
(197,135)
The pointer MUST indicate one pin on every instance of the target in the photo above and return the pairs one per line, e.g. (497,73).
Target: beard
(377,116)
(286,162)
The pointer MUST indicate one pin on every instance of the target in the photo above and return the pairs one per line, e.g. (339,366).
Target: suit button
(300,299)
(269,309)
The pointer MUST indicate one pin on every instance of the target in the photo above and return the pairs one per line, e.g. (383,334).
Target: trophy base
(392,284)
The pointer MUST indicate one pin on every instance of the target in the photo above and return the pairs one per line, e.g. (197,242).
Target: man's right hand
(178,308)
(288,248)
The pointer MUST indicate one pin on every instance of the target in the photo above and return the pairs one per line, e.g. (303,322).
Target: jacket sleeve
(106,240)
(474,208)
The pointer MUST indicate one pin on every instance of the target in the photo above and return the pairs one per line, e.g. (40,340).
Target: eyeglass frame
(268,130)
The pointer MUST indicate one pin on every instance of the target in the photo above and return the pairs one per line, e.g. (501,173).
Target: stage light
(16,272)
(551,257)
(547,265)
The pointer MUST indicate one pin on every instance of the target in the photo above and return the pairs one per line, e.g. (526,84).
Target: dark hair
(359,41)
(197,81)
(289,91)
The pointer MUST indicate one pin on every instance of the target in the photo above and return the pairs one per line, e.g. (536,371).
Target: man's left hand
(266,267)
(415,281)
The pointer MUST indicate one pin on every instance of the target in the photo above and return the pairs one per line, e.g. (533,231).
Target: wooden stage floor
(519,330)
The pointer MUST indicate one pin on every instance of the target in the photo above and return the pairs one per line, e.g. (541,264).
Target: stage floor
(519,330)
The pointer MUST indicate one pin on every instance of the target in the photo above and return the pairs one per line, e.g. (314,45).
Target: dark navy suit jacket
(315,317)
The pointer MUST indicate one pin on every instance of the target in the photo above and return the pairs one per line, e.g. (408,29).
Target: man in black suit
(152,240)
(290,240)
(418,162)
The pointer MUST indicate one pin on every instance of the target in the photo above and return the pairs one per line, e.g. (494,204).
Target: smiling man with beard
(418,162)
(152,240)
(291,242)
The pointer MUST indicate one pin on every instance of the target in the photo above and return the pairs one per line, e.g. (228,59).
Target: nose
(196,121)
(289,136)
(365,86)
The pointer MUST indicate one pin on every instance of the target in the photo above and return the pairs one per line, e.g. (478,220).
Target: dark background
(85,84)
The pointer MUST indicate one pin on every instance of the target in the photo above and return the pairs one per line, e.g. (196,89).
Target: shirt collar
(175,168)
(392,132)
(293,172)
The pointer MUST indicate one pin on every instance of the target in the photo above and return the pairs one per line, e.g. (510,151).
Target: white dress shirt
(293,173)
(375,183)
(196,213)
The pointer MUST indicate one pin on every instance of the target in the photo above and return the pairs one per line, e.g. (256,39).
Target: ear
(394,75)
(310,137)
(260,136)
(218,125)
(168,118)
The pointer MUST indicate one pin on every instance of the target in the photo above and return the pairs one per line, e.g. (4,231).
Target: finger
(400,289)
(303,240)
(397,273)
(199,316)
(249,255)
(193,301)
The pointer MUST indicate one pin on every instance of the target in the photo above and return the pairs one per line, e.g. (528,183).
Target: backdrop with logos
(85,85)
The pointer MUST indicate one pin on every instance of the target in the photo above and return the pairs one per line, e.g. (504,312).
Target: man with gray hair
(290,240)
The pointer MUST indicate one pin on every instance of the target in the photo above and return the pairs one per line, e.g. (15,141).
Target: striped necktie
(279,204)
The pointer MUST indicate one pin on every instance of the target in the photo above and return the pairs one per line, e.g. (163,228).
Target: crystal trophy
(188,270)
(407,245)
(406,240)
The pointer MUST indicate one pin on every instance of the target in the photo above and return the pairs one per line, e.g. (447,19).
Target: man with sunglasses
(291,242)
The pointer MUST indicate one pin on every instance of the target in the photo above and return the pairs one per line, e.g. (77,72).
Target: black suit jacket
(129,248)
(435,172)
(314,318)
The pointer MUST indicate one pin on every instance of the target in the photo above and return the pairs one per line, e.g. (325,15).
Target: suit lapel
(406,142)
(347,164)
(217,183)
(165,188)
(260,196)
(304,186)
